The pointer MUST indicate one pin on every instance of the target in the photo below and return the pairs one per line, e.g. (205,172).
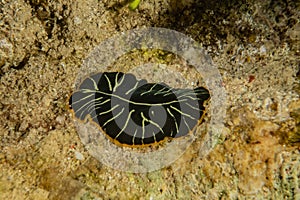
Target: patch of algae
(42,45)
(290,131)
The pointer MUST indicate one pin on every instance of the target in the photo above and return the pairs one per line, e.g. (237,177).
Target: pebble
(78,155)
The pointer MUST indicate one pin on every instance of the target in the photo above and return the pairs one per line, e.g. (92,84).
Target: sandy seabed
(254,43)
